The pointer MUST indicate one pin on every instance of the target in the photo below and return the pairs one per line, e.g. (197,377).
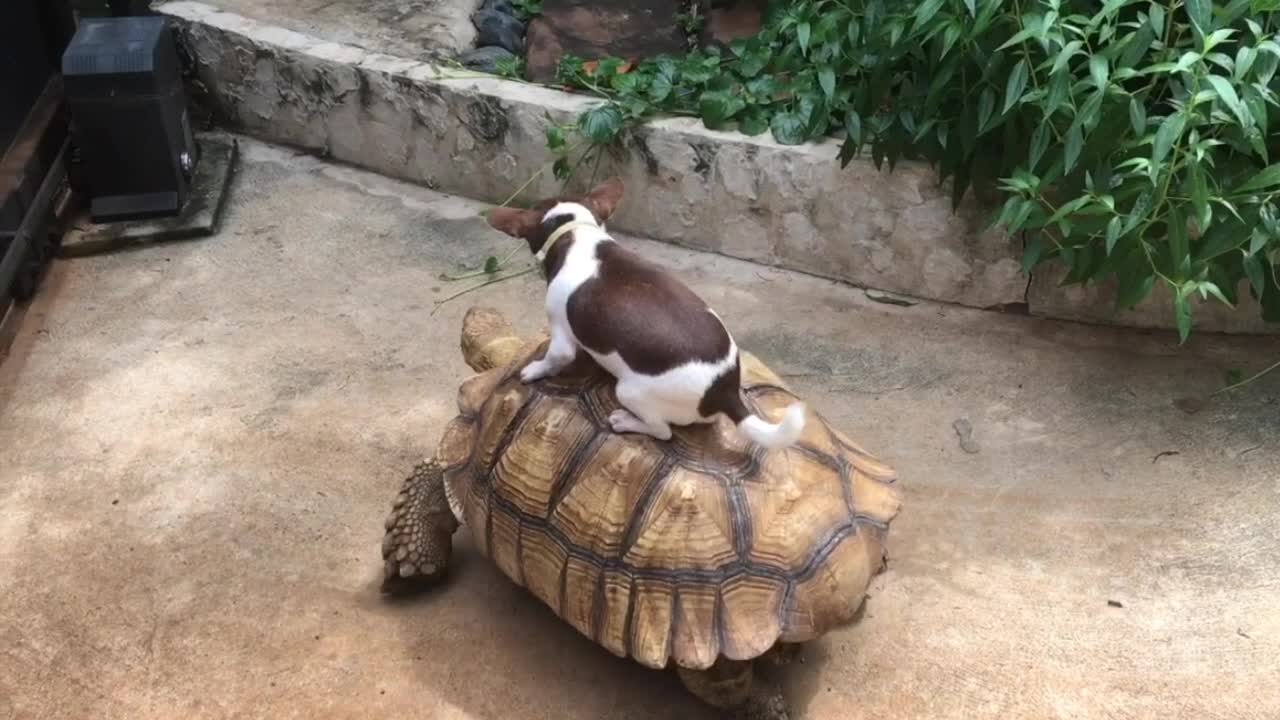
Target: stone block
(591,29)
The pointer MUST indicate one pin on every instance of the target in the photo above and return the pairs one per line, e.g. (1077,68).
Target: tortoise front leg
(420,531)
(730,685)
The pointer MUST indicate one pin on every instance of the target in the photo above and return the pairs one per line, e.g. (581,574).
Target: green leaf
(827,80)
(763,88)
(555,137)
(803,33)
(1245,57)
(1134,290)
(717,107)
(1257,241)
(926,10)
(1182,312)
(754,60)
(812,110)
(950,36)
(601,124)
(1115,229)
(1064,56)
(1099,71)
(1214,290)
(625,83)
(853,128)
(491,265)
(1185,62)
(1016,84)
(1200,12)
(1140,43)
(694,71)
(1137,117)
(663,82)
(1179,245)
(1031,255)
(753,122)
(788,128)
(1157,18)
(1091,109)
(1229,97)
(1059,92)
(1217,37)
(1138,213)
(973,12)
(1268,177)
(1018,37)
(1255,268)
(1073,143)
(1068,208)
(1039,143)
(1170,130)
(1199,195)
(986,105)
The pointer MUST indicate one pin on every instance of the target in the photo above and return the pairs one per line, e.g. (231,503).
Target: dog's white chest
(580,265)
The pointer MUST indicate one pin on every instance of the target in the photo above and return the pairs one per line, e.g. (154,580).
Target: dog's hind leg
(640,413)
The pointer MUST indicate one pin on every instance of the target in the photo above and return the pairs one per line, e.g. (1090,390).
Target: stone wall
(482,137)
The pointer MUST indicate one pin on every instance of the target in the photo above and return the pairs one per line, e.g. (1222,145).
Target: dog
(674,361)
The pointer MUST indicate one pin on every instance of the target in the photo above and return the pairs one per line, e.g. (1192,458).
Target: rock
(502,7)
(495,28)
(964,429)
(485,59)
(741,19)
(592,29)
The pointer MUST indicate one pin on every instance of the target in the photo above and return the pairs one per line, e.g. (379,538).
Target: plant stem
(1246,381)
(491,281)
(478,273)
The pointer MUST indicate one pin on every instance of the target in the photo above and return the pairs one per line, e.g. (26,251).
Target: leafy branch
(1132,140)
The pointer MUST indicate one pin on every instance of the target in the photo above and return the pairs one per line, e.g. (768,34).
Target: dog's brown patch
(725,396)
(644,313)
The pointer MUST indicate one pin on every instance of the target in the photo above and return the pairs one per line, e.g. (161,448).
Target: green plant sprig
(1131,141)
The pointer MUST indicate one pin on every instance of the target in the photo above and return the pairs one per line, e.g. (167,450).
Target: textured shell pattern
(686,550)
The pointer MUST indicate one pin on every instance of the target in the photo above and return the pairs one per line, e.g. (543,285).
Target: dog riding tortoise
(705,550)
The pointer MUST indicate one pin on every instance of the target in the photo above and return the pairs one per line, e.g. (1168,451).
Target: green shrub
(1130,139)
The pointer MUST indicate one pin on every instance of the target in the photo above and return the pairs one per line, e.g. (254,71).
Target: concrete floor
(199,443)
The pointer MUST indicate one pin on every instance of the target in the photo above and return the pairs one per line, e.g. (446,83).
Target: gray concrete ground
(417,29)
(199,443)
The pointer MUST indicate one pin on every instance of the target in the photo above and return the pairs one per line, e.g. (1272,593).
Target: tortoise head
(488,339)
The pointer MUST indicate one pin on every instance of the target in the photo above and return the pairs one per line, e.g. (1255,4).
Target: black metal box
(129,117)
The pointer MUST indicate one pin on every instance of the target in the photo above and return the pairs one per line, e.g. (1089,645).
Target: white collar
(558,233)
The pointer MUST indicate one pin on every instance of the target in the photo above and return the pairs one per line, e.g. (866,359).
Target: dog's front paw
(535,371)
(623,421)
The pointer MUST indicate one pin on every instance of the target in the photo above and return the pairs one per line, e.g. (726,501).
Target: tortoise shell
(700,546)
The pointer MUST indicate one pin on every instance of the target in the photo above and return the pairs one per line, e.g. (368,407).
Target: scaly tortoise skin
(705,550)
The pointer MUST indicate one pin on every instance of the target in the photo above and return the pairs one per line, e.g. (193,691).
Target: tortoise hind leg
(730,686)
(420,530)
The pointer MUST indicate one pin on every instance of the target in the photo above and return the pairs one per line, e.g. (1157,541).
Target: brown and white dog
(674,361)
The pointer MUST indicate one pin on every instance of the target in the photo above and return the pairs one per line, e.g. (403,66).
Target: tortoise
(704,551)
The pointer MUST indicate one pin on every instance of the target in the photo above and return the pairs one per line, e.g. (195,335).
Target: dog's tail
(758,430)
(775,435)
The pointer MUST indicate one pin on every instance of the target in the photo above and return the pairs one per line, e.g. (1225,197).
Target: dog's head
(529,223)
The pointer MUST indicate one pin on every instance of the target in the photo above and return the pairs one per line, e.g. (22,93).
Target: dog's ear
(604,199)
(514,221)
